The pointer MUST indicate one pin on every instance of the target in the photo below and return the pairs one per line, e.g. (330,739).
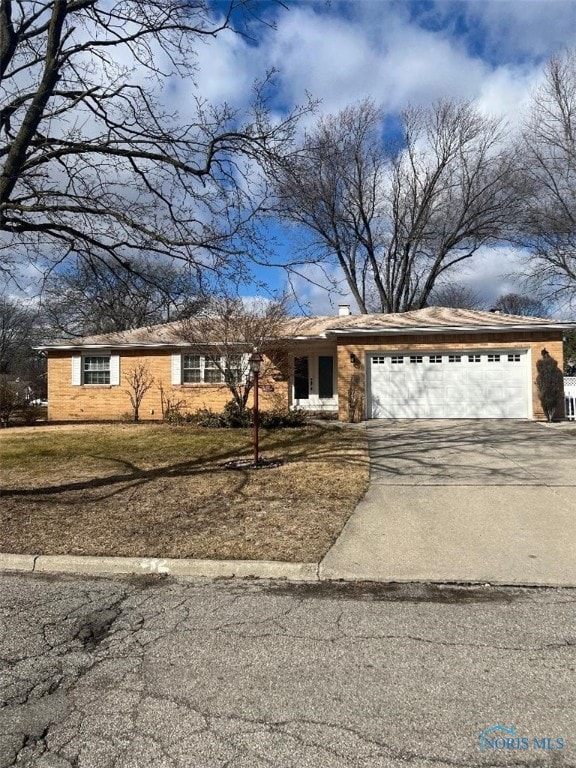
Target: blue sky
(397,52)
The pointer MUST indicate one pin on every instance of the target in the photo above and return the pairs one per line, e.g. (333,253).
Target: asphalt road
(151,672)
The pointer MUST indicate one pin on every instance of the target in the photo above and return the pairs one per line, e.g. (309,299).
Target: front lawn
(161,491)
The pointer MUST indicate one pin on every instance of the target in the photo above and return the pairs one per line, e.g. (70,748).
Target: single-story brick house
(428,363)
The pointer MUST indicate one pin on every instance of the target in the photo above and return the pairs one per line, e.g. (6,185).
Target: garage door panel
(515,380)
(434,397)
(455,394)
(490,376)
(454,377)
(467,385)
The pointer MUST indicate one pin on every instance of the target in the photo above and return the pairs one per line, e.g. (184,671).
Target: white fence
(570,395)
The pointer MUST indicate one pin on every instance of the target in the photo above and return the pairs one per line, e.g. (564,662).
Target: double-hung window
(96,369)
(191,369)
(212,370)
(206,369)
(234,373)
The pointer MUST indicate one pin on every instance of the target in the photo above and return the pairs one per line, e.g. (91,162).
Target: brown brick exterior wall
(67,402)
(359,345)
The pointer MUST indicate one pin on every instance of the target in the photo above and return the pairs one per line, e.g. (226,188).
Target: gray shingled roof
(429,320)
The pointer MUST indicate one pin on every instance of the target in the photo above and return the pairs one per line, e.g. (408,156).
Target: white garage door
(463,385)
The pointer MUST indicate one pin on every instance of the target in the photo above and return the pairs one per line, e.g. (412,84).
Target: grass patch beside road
(160,491)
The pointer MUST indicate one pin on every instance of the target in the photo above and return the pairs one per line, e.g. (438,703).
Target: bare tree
(17,331)
(548,226)
(520,304)
(92,163)
(88,297)
(11,398)
(221,339)
(459,295)
(398,219)
(20,364)
(139,381)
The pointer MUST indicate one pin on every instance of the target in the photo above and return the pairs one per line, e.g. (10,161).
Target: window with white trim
(454,358)
(397,360)
(435,358)
(493,358)
(415,358)
(378,361)
(474,358)
(234,369)
(96,369)
(204,369)
(212,371)
(514,358)
(191,369)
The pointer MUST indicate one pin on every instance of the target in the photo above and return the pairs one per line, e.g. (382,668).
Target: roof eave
(446,329)
(112,345)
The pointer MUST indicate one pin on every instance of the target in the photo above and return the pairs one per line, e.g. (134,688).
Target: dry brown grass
(160,491)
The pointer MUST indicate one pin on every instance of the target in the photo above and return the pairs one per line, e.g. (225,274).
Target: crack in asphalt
(95,676)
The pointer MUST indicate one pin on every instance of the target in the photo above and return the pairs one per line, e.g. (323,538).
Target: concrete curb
(260,569)
(17,562)
(233,569)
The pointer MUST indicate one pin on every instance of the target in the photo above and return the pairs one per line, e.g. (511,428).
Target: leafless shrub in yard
(139,381)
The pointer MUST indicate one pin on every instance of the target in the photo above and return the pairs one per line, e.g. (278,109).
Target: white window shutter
(177,368)
(76,370)
(114,370)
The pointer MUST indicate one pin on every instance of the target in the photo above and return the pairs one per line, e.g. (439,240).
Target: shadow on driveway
(463,501)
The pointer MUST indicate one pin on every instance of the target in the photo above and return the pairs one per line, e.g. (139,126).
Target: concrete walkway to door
(463,501)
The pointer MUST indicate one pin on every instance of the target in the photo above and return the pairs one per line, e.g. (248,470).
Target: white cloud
(506,92)
(377,52)
(519,29)
(342,60)
(226,72)
(493,271)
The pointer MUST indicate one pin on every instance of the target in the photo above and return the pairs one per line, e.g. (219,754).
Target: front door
(314,381)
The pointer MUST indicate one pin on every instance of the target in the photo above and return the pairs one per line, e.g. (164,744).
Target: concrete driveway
(463,501)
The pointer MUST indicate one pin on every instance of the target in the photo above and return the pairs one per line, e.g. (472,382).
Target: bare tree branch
(521,304)
(451,294)
(548,225)
(139,380)
(93,163)
(398,219)
(88,297)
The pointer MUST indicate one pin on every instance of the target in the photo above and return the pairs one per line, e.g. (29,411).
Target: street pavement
(463,501)
(149,671)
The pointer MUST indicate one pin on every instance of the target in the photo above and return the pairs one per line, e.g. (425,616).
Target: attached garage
(443,363)
(476,384)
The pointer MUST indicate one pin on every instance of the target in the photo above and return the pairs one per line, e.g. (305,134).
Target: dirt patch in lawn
(159,491)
